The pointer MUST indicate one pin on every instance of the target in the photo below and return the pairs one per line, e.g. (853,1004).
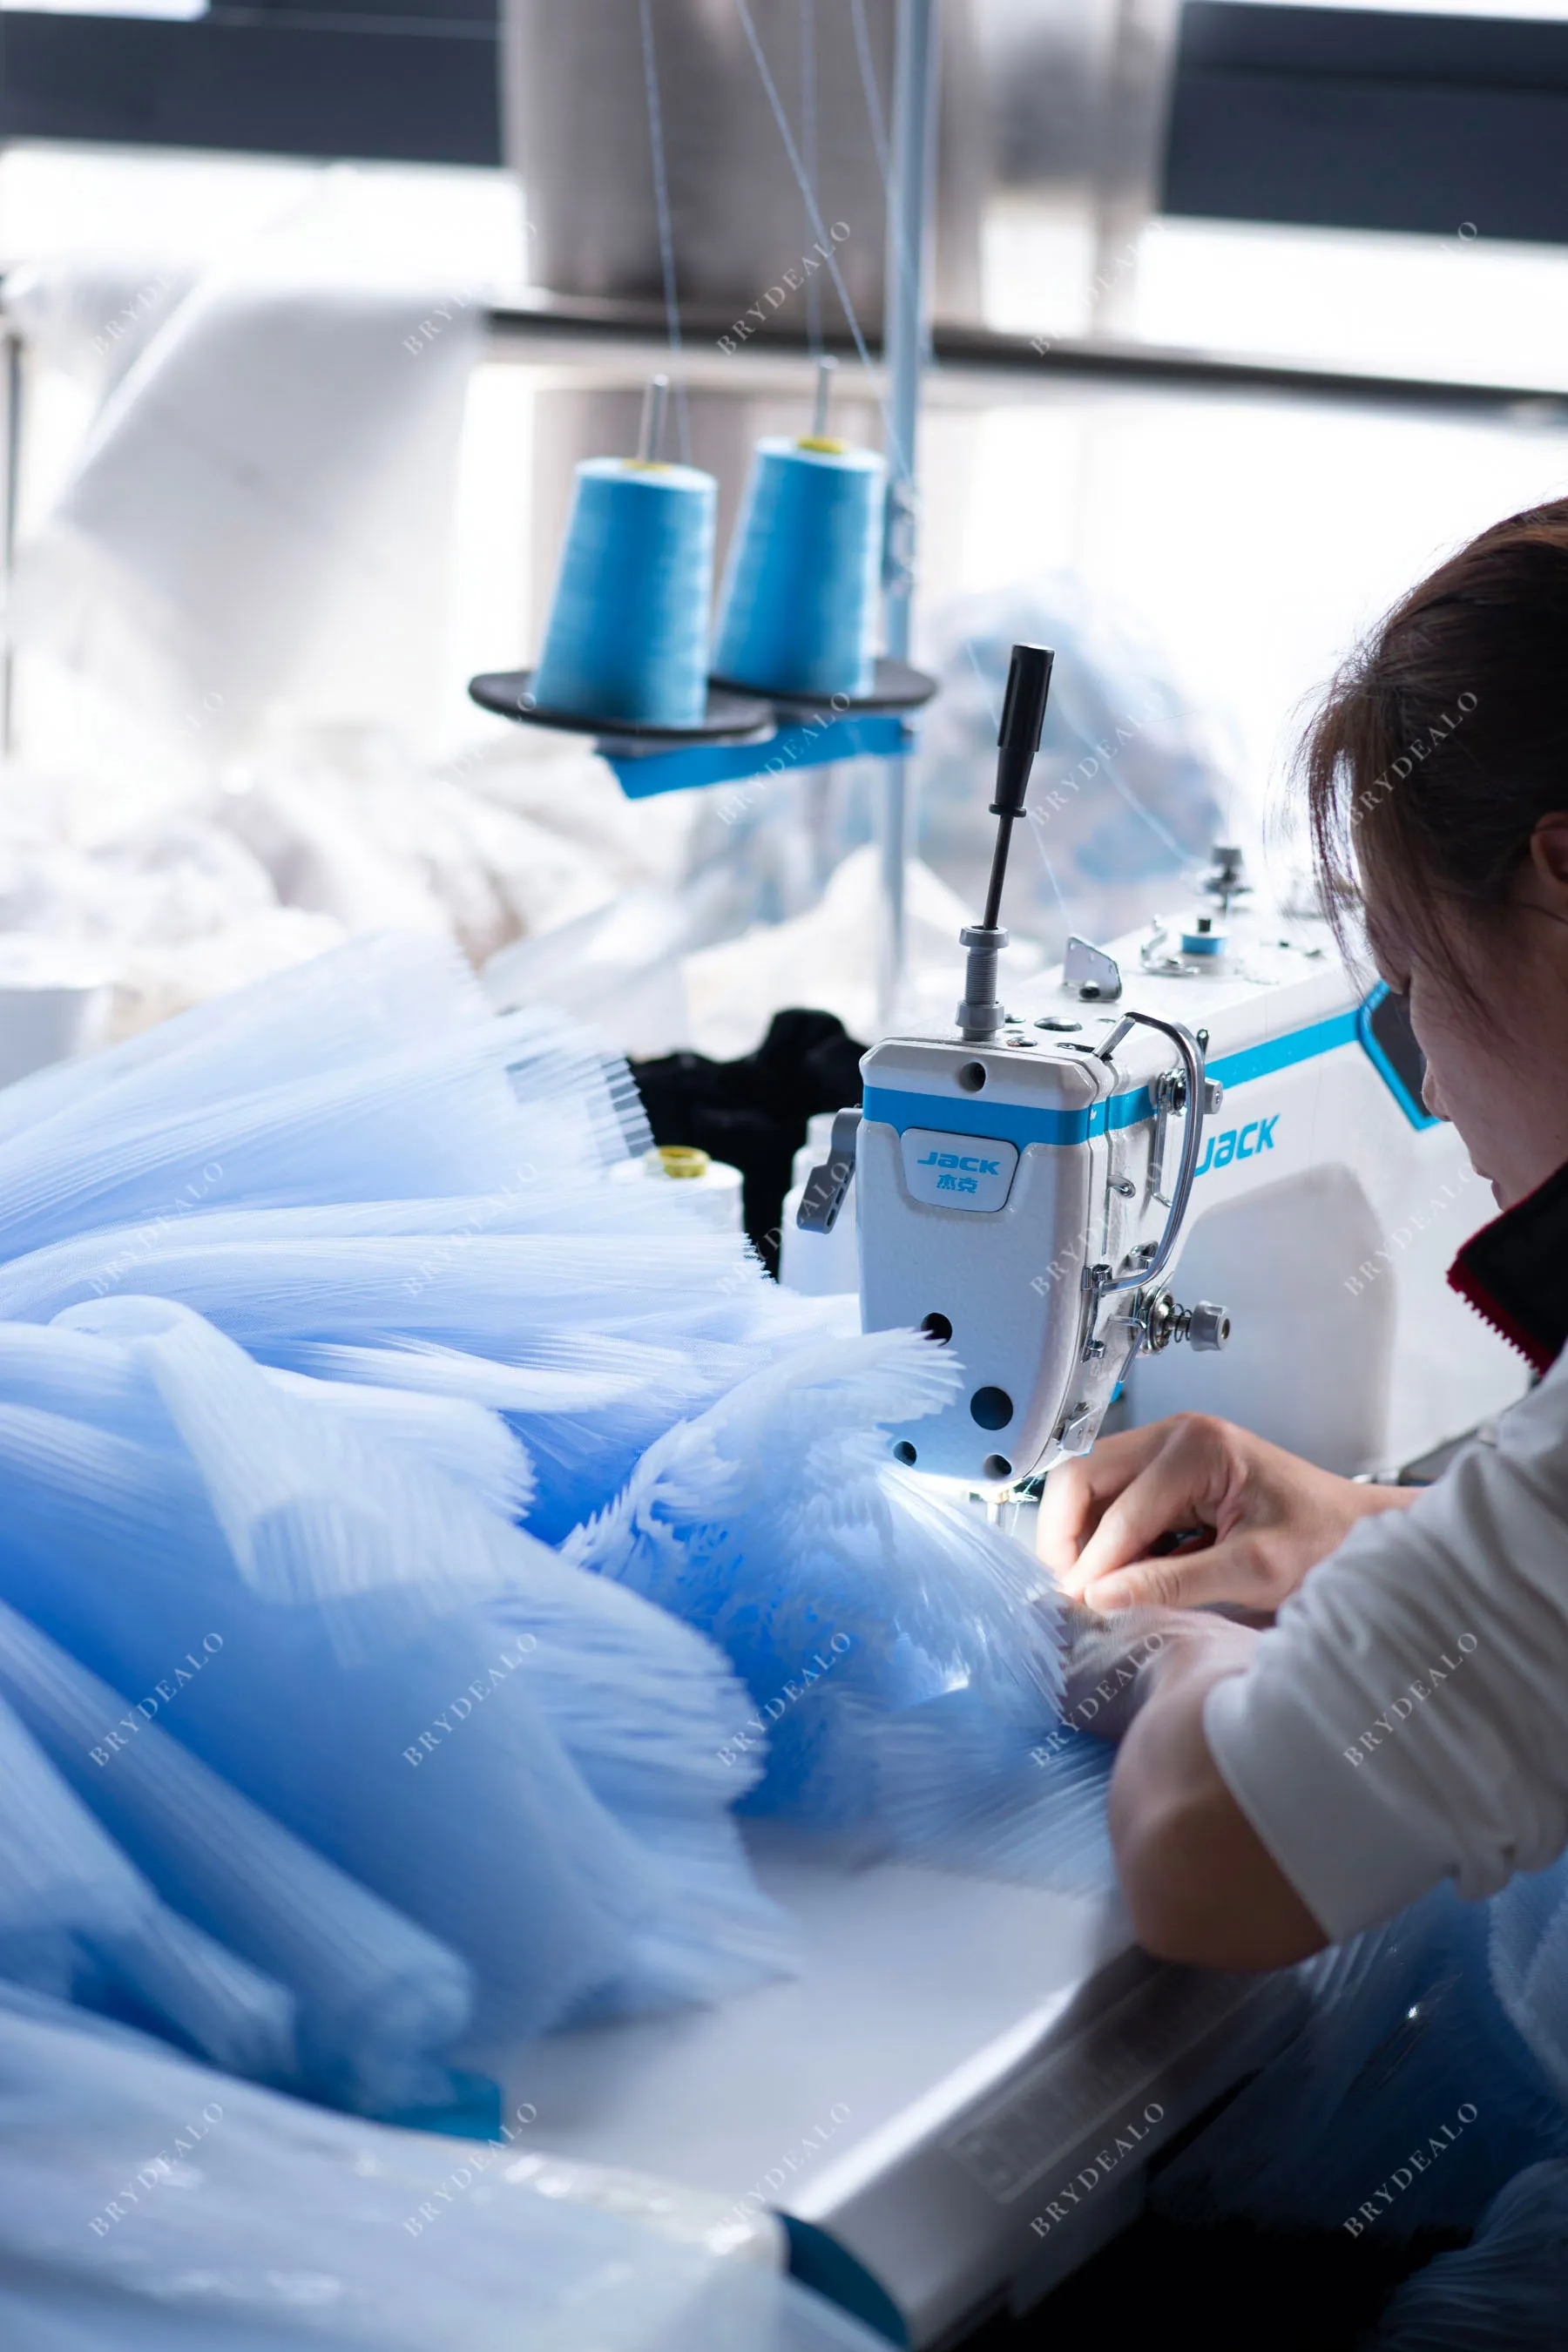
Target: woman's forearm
(1199,1883)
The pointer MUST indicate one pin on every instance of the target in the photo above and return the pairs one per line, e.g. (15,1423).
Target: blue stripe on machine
(1019,1123)
(1023,1123)
(1283,1053)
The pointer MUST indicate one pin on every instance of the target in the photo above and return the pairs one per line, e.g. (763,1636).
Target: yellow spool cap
(678,1160)
(823,441)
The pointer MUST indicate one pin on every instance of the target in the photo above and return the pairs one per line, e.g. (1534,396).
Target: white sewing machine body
(991,1178)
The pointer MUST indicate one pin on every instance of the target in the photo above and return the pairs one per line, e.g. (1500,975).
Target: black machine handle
(1018,740)
(1023,716)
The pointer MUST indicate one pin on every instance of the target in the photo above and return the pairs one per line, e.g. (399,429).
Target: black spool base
(733,715)
(895,685)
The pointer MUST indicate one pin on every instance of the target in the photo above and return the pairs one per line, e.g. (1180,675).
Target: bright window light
(182,11)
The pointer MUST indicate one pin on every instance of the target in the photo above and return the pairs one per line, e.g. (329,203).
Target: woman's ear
(1549,859)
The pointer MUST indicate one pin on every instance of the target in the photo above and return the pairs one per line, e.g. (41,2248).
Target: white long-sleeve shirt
(1406,1720)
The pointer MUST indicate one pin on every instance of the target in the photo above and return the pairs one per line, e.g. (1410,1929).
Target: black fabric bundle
(753,1112)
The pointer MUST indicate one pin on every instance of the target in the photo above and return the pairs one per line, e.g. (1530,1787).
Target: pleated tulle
(1404,2033)
(323,1087)
(326,1014)
(377,2003)
(1505,2291)
(337,1013)
(271,1294)
(60,1874)
(147,2205)
(843,1593)
(1530,1964)
(960,1785)
(585,1405)
(360,1159)
(452,1435)
(77,1919)
(304,1616)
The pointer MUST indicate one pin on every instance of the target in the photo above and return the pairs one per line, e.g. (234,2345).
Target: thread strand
(666,223)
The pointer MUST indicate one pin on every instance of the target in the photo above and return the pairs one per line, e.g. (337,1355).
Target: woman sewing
(1399,1736)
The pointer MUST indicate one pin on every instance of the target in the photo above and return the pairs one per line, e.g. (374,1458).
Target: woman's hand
(1255,1517)
(1111,1666)
(1199,1885)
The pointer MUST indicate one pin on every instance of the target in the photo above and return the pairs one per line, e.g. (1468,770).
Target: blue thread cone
(627,636)
(799,606)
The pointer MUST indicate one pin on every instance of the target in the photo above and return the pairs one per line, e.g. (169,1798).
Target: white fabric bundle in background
(91,315)
(280,452)
(167,900)
(151,912)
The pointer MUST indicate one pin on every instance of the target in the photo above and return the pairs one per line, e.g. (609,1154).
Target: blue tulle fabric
(148,2205)
(254,1636)
(852,1600)
(1403,2031)
(1507,2291)
(1416,2099)
(415,1545)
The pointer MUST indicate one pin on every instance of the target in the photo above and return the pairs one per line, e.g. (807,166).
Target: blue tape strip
(1023,1124)
(871,734)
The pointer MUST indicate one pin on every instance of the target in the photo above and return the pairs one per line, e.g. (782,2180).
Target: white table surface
(950,2045)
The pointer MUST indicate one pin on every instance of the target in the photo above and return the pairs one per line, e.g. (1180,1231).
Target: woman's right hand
(1257,1518)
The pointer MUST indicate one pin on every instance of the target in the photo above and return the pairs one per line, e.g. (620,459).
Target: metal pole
(906,344)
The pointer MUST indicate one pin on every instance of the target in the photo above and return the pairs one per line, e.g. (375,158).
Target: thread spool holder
(895,685)
(743,736)
(730,718)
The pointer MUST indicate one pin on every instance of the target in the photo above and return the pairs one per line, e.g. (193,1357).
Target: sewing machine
(1214,1105)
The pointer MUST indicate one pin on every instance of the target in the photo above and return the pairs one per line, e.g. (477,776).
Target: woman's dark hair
(1444,741)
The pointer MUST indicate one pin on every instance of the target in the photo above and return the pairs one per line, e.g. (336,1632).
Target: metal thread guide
(650,432)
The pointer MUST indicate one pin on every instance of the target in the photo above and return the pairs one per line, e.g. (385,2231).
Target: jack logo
(968,1164)
(957,1171)
(1234,1144)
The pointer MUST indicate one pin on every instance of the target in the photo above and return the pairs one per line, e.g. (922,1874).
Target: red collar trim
(1514,1273)
(1492,1311)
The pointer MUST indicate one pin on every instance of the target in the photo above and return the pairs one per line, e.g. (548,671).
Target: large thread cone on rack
(627,636)
(799,607)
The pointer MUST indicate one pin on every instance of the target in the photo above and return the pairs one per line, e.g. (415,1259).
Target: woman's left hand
(1111,1665)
